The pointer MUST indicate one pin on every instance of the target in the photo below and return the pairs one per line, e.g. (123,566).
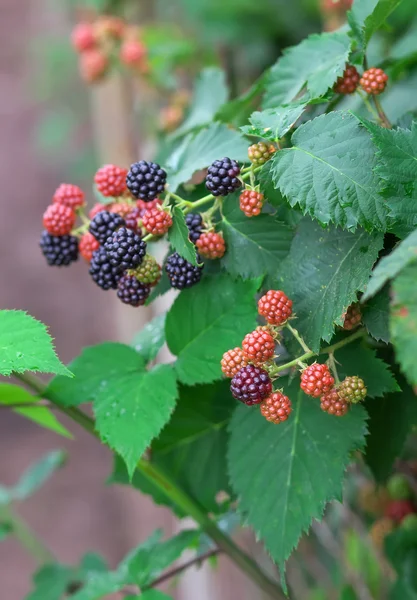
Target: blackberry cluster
(222,177)
(146,180)
(125,249)
(104,224)
(59,250)
(181,273)
(194,222)
(131,291)
(102,272)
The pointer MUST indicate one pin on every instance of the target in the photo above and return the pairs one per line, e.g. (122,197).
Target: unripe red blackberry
(251,203)
(87,245)
(157,221)
(93,65)
(352,389)
(352,317)
(374,81)
(348,82)
(233,360)
(98,207)
(251,385)
(149,271)
(211,245)
(316,380)
(379,531)
(110,180)
(132,53)
(58,219)
(275,306)
(276,408)
(258,346)
(143,205)
(397,510)
(121,208)
(333,404)
(260,153)
(69,195)
(82,37)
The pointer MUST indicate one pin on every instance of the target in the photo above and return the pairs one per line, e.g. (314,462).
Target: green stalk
(26,536)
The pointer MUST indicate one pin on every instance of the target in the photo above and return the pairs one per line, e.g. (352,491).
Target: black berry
(125,249)
(181,273)
(222,177)
(131,291)
(251,385)
(104,224)
(59,250)
(146,180)
(102,272)
(194,223)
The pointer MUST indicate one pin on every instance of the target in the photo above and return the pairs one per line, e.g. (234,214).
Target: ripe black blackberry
(251,385)
(131,291)
(125,249)
(194,222)
(222,177)
(102,272)
(59,250)
(104,224)
(181,273)
(146,180)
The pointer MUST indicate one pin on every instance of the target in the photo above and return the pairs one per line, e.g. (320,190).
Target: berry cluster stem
(381,113)
(298,338)
(176,494)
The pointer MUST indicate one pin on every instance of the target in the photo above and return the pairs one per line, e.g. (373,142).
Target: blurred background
(62,115)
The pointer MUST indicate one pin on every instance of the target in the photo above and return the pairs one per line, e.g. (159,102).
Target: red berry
(69,195)
(93,65)
(156,221)
(352,317)
(258,346)
(374,81)
(348,82)
(333,404)
(397,510)
(144,206)
(251,202)
(251,385)
(132,53)
(58,219)
(87,245)
(316,380)
(82,37)
(275,306)
(276,408)
(121,208)
(111,180)
(211,245)
(98,207)
(232,361)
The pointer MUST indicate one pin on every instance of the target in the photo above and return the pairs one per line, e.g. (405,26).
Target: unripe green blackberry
(149,271)
(260,153)
(352,389)
(398,487)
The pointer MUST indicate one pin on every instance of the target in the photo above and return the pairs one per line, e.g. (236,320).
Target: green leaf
(50,583)
(178,237)
(25,345)
(367,16)
(210,93)
(255,246)
(153,595)
(403,322)
(293,469)
(307,70)
(200,150)
(131,404)
(5,531)
(150,338)
(358,359)
(37,475)
(43,416)
(100,585)
(329,172)
(199,342)
(388,429)
(237,111)
(273,123)
(323,273)
(376,316)
(192,446)
(389,266)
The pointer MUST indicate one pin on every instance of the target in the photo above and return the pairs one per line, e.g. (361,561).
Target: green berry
(260,153)
(149,271)
(409,523)
(398,487)
(352,389)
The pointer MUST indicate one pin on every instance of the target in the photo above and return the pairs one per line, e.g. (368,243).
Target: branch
(381,113)
(26,536)
(197,560)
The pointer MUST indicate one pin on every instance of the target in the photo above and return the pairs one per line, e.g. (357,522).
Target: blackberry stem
(298,338)
(381,113)
(333,368)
